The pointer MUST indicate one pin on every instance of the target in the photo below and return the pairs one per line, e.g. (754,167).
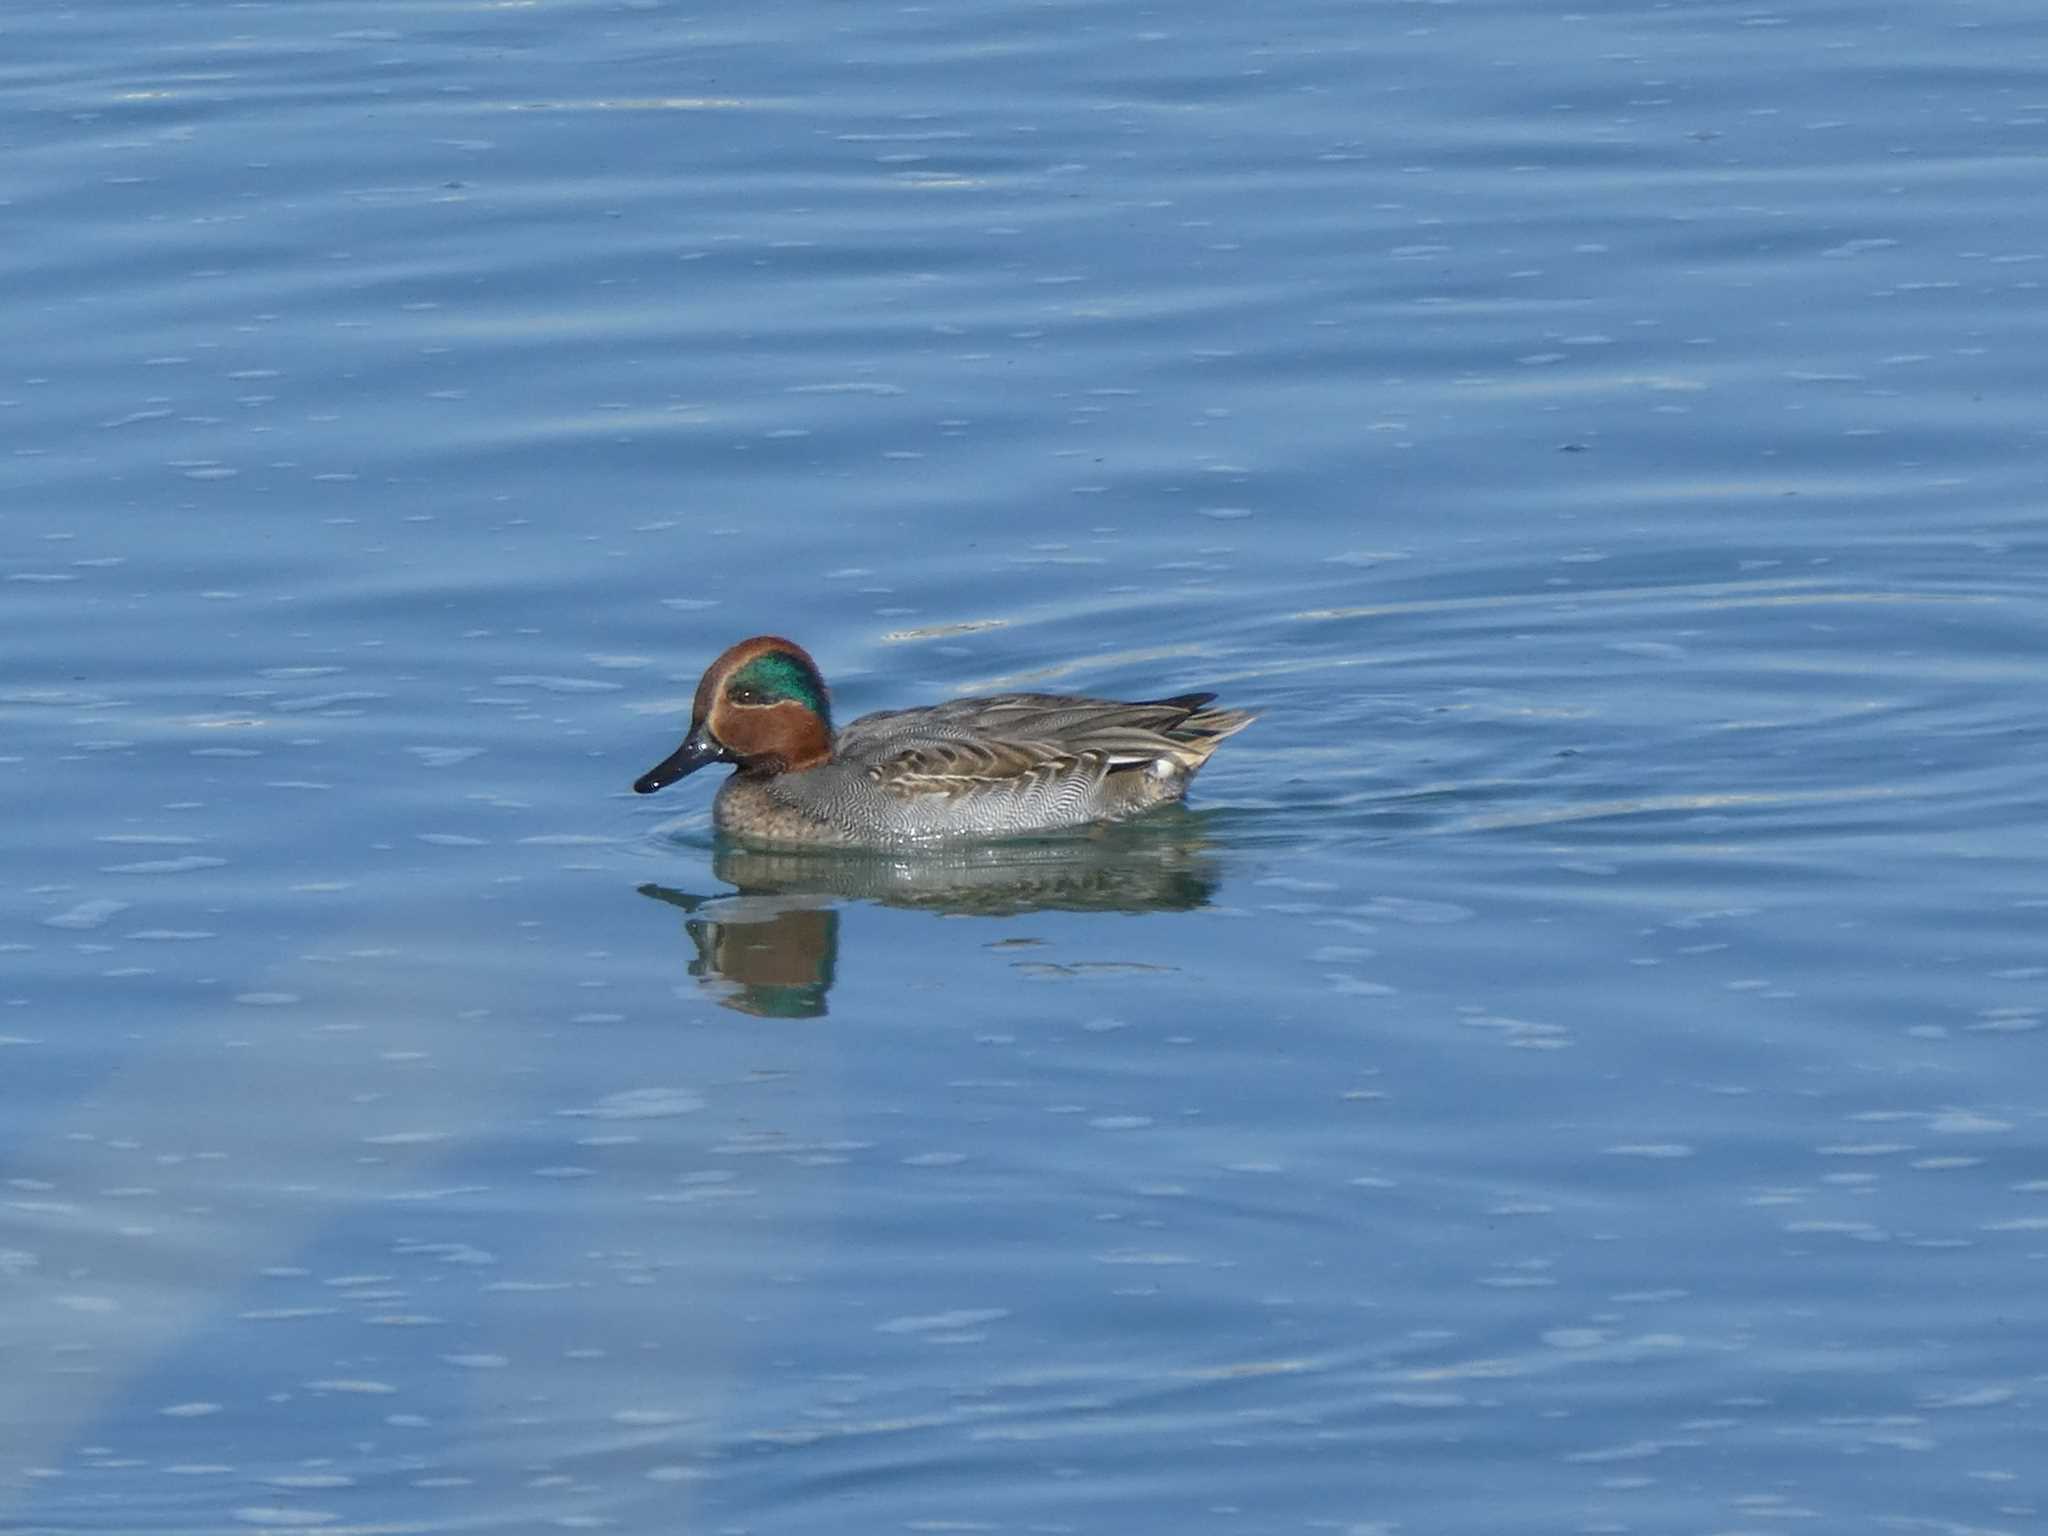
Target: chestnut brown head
(762,707)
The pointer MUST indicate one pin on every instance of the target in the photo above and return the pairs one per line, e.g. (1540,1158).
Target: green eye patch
(776,676)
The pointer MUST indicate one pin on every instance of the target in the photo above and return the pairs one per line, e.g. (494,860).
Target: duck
(1002,766)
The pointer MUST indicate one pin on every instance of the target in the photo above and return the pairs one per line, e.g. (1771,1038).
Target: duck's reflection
(770,946)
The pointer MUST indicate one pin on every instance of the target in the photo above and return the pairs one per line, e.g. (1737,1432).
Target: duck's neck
(796,739)
(817,757)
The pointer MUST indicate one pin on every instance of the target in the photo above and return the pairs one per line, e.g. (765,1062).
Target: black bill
(698,749)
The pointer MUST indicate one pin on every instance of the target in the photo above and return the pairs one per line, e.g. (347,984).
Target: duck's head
(762,707)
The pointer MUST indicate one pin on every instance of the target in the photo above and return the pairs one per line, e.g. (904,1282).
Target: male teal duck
(1006,766)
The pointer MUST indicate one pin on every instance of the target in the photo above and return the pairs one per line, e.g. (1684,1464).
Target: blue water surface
(1576,1065)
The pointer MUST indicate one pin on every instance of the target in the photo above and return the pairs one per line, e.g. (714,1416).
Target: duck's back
(1005,765)
(1068,720)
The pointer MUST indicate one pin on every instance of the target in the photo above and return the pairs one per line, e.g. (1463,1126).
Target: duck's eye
(740,693)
